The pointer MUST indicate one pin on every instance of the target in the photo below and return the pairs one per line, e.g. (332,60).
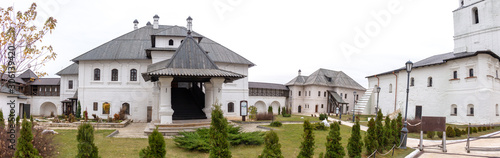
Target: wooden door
(150,113)
(316,108)
(418,112)
(300,109)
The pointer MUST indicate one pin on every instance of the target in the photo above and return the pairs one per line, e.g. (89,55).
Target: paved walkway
(133,130)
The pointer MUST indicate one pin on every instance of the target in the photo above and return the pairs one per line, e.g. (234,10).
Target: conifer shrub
(78,111)
(430,134)
(399,122)
(24,147)
(322,117)
(17,121)
(156,147)
(458,133)
(219,145)
(86,115)
(333,146)
(355,144)
(380,131)
(439,134)
(307,145)
(287,115)
(484,128)
(371,137)
(270,110)
(488,128)
(71,118)
(272,147)
(450,132)
(279,111)
(388,132)
(276,124)
(474,130)
(116,117)
(283,111)
(395,131)
(464,132)
(479,129)
(85,138)
(319,126)
(2,121)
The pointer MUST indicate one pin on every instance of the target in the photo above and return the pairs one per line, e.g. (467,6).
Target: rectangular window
(346,96)
(319,93)
(70,84)
(95,106)
(471,72)
(455,74)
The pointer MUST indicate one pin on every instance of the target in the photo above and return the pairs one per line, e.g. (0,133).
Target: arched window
(97,74)
(319,93)
(471,72)
(170,42)
(454,110)
(126,108)
(230,107)
(455,74)
(133,75)
(412,81)
(299,93)
(114,75)
(357,96)
(390,88)
(429,82)
(322,106)
(462,3)
(470,110)
(475,15)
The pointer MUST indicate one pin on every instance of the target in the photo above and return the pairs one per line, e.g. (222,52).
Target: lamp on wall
(404,131)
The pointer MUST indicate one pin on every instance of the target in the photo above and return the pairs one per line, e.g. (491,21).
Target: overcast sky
(358,37)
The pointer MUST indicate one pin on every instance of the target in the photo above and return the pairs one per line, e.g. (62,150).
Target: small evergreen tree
(156,148)
(279,111)
(219,145)
(270,109)
(78,111)
(17,121)
(395,131)
(283,111)
(430,134)
(450,132)
(272,148)
(458,133)
(24,147)
(399,122)
(2,121)
(85,138)
(355,145)
(371,137)
(388,132)
(380,131)
(307,145)
(334,148)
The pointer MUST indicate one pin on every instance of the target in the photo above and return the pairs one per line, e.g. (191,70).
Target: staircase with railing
(362,106)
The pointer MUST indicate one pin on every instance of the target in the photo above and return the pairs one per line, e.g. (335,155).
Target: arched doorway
(276,106)
(47,108)
(300,109)
(261,107)
(316,110)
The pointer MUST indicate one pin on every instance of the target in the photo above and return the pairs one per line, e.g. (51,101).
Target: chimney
(300,72)
(189,24)
(148,24)
(155,23)
(135,24)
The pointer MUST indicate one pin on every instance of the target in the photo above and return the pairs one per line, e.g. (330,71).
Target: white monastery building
(462,85)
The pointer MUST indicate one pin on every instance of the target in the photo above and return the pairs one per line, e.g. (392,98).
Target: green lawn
(349,117)
(290,137)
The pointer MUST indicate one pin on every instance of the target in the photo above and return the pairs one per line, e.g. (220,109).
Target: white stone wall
(472,37)
(308,102)
(162,41)
(65,92)
(480,90)
(263,103)
(158,56)
(389,103)
(4,99)
(37,102)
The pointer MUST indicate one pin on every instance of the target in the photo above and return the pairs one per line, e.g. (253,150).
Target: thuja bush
(440,134)
(199,140)
(24,147)
(270,110)
(395,131)
(380,131)
(276,124)
(399,123)
(371,137)
(334,148)
(307,145)
(319,126)
(322,117)
(78,110)
(388,132)
(85,138)
(479,129)
(450,132)
(484,128)
(272,148)
(156,147)
(474,129)
(279,111)
(219,145)
(355,145)
(430,134)
(2,121)
(458,133)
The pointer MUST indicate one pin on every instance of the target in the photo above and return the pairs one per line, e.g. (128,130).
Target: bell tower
(477,26)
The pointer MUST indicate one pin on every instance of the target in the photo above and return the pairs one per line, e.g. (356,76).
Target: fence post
(444,141)
(421,145)
(467,147)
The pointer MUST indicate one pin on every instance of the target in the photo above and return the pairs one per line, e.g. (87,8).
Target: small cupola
(135,24)
(155,22)
(300,72)
(148,24)
(189,24)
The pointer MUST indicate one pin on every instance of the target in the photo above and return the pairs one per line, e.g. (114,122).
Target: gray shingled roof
(439,59)
(70,70)
(28,74)
(337,97)
(190,60)
(5,89)
(321,77)
(133,45)
(47,81)
(5,77)
(267,85)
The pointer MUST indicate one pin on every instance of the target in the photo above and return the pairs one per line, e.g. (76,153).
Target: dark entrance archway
(300,109)
(188,100)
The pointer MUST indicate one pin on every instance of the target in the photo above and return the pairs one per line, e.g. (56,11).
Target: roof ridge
(252,64)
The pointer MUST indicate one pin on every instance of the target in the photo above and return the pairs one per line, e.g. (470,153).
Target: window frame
(171,42)
(96,106)
(70,84)
(475,15)
(230,107)
(133,74)
(114,75)
(97,74)
(127,111)
(412,82)
(429,82)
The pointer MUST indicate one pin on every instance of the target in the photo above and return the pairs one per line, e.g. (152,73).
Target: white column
(208,99)
(217,89)
(166,110)
(156,101)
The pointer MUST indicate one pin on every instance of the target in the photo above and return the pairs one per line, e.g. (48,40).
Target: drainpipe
(396,92)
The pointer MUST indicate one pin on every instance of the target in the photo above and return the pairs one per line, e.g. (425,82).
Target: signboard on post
(433,123)
(243,109)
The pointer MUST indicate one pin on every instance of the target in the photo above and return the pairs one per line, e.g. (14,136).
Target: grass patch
(349,117)
(463,136)
(290,137)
